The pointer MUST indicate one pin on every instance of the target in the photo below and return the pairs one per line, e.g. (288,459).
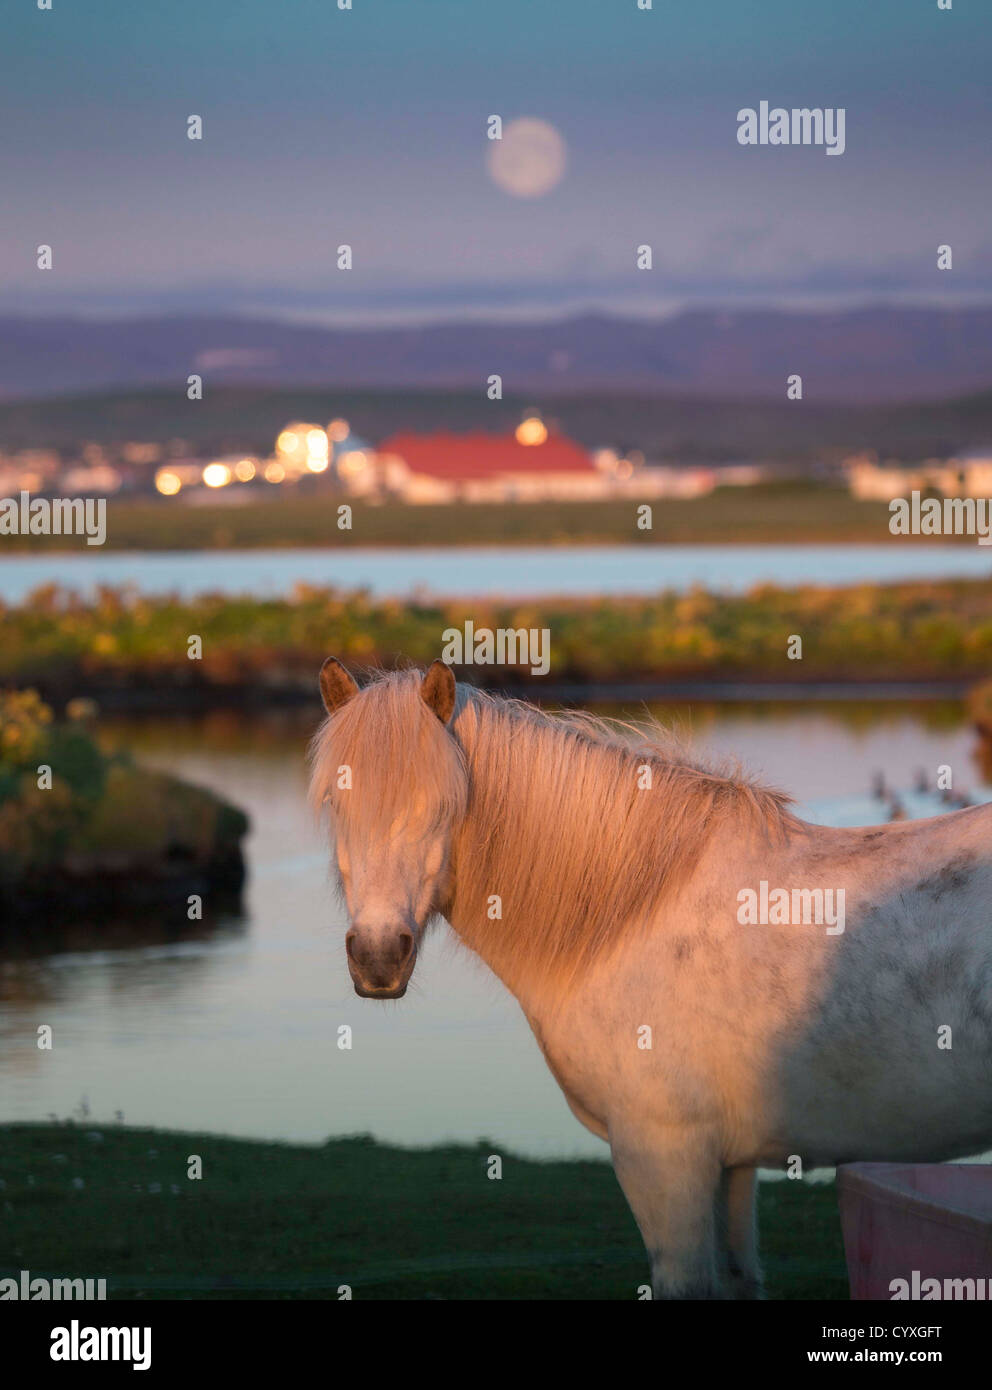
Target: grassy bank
(766,514)
(70,829)
(277,1220)
(932,631)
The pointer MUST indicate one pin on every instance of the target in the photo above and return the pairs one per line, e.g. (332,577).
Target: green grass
(770,513)
(279,1220)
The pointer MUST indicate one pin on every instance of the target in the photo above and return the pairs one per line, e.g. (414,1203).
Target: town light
(274,473)
(352,462)
(317,450)
(338,430)
(244,470)
(167,482)
(531,431)
(216,475)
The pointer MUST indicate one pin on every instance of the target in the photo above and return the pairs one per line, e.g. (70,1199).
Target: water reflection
(232,1024)
(163,931)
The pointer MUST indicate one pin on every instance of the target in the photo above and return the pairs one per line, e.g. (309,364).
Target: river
(518,571)
(234,1030)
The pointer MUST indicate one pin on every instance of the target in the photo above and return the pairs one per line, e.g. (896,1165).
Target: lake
(517,571)
(234,1030)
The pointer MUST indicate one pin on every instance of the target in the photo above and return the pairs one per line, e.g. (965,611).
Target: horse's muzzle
(392,992)
(380,967)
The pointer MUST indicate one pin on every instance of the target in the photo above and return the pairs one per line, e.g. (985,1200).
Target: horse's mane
(555,817)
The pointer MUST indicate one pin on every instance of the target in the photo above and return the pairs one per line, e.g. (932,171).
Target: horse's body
(602,879)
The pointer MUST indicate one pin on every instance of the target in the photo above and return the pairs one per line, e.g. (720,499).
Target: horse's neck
(483,863)
(470,842)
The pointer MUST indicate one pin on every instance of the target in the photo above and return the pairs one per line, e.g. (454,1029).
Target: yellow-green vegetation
(931,630)
(82,825)
(277,1220)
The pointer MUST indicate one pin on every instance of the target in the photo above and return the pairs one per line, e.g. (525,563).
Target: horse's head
(394,779)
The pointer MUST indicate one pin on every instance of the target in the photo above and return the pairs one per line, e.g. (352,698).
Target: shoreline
(251,697)
(69,545)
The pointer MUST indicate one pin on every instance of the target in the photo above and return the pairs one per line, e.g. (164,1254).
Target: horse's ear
(438,690)
(336,684)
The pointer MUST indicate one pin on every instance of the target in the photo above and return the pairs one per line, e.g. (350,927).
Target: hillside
(883,352)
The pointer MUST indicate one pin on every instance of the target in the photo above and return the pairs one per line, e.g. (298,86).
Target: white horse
(715,984)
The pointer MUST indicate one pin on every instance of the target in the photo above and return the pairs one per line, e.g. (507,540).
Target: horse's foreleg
(670,1176)
(736,1219)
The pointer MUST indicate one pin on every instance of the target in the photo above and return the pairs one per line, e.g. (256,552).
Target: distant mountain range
(865,355)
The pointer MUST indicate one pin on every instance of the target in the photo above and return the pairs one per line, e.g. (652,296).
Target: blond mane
(548,812)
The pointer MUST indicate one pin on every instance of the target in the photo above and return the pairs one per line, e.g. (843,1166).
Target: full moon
(529,160)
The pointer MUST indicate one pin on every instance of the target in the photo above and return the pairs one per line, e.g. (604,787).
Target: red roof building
(485,467)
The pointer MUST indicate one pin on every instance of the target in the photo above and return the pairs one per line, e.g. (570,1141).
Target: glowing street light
(216,475)
(317,450)
(531,431)
(167,482)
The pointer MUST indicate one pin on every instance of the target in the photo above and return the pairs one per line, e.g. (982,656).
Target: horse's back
(903,1000)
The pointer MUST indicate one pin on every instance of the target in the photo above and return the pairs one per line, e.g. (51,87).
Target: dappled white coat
(776,1042)
(697,1043)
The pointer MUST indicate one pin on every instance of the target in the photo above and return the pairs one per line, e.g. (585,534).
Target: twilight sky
(369,127)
